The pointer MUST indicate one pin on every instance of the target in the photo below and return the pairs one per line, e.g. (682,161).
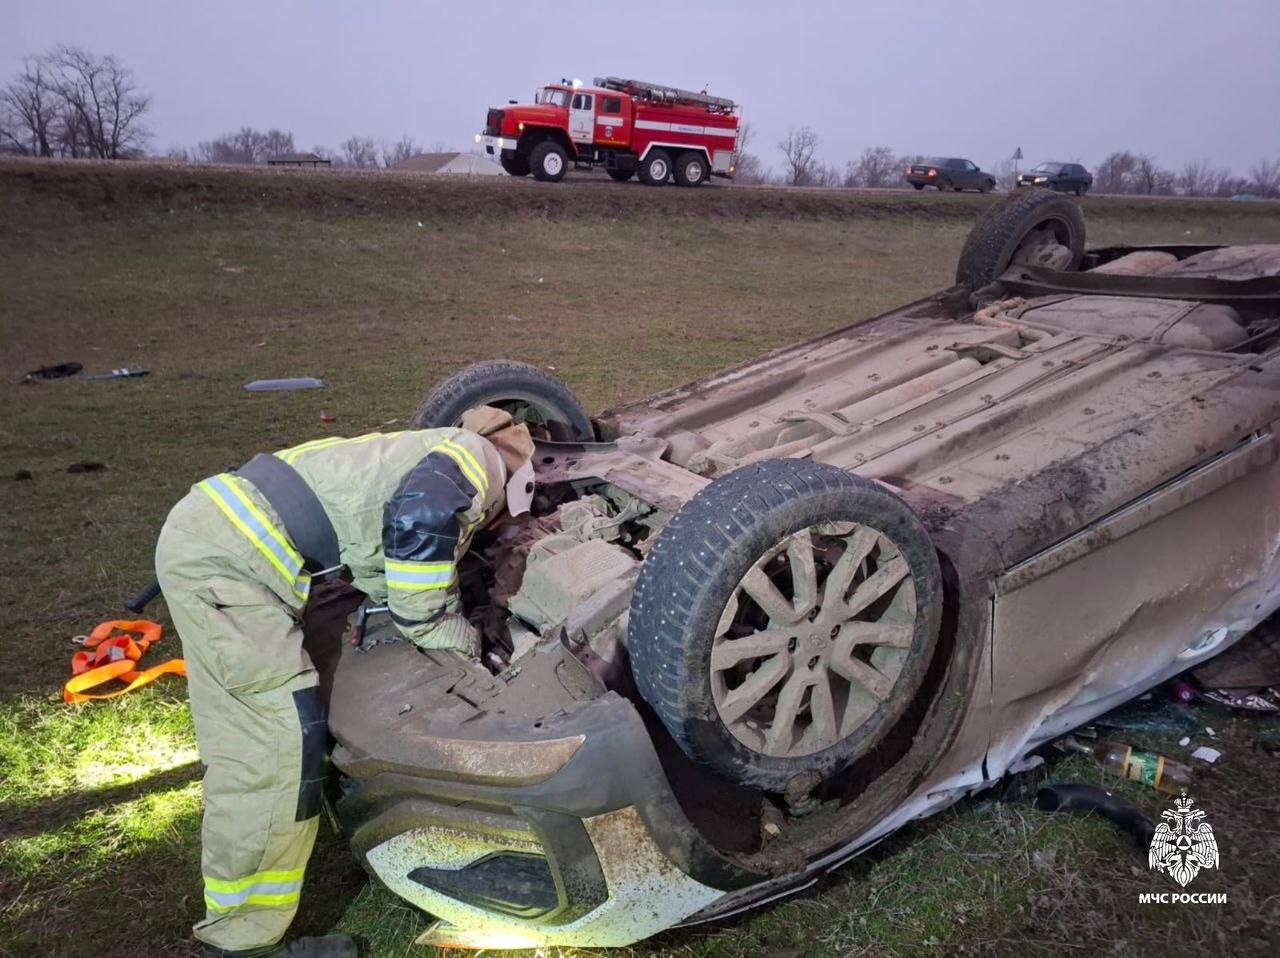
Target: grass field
(382,285)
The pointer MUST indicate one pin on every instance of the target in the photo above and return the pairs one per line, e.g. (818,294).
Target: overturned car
(756,623)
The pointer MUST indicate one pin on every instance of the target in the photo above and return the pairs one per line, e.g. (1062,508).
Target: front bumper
(515,831)
(496,144)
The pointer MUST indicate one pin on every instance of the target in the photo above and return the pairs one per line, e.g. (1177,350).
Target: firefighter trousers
(259,724)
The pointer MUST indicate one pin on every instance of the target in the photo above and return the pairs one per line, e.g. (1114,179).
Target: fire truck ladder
(660,92)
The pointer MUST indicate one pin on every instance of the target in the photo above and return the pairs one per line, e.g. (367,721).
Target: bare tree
(746,165)
(797,150)
(104,107)
(360,152)
(1265,177)
(1201,178)
(1114,173)
(875,169)
(31,109)
(246,146)
(276,142)
(398,152)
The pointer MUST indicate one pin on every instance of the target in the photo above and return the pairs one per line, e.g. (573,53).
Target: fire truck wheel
(514,163)
(620,175)
(691,169)
(549,162)
(655,168)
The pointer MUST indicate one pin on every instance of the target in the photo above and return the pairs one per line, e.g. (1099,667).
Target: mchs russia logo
(1183,845)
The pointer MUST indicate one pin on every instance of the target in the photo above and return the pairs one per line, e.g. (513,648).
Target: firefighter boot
(330,946)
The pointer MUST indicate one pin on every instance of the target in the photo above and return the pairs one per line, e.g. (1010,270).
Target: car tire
(514,163)
(943,185)
(532,395)
(691,169)
(759,521)
(655,168)
(549,162)
(918,186)
(1004,234)
(620,176)
(1079,191)
(987,186)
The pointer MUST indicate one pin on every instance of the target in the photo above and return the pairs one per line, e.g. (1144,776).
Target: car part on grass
(125,372)
(1079,797)
(1248,700)
(1033,227)
(283,385)
(1149,768)
(87,465)
(532,396)
(1152,715)
(56,371)
(783,621)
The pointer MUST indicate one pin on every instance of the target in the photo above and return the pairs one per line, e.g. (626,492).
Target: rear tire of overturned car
(549,162)
(784,620)
(1015,230)
(655,168)
(531,395)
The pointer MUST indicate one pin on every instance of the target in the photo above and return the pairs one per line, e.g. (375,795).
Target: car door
(1099,613)
(970,176)
(582,118)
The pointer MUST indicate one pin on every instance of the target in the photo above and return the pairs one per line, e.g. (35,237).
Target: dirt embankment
(106,188)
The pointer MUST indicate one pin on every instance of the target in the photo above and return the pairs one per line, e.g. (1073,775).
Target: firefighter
(236,560)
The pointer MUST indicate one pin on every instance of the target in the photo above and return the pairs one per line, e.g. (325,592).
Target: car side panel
(1157,586)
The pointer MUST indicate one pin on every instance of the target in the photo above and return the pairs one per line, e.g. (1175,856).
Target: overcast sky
(1075,79)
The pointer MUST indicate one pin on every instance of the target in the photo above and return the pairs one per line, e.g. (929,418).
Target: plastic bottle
(1161,773)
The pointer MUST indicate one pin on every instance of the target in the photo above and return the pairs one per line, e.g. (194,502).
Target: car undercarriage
(754,624)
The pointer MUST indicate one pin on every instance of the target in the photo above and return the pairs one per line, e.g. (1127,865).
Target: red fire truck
(627,126)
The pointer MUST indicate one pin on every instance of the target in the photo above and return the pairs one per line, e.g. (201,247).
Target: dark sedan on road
(1063,177)
(950,174)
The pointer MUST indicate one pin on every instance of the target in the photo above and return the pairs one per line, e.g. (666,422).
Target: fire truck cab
(629,127)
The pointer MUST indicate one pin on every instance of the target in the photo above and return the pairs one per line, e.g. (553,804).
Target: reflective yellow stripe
(240,884)
(278,551)
(315,445)
(467,463)
(267,901)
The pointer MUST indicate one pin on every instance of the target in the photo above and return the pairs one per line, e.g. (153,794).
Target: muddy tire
(513,163)
(620,176)
(531,395)
(1006,231)
(784,621)
(549,162)
(655,168)
(691,169)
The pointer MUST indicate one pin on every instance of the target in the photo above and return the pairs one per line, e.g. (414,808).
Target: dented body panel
(1098,471)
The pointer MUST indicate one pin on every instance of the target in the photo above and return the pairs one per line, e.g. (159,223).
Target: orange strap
(114,657)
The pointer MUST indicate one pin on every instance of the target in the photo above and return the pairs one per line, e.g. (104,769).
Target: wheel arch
(533,135)
(675,148)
